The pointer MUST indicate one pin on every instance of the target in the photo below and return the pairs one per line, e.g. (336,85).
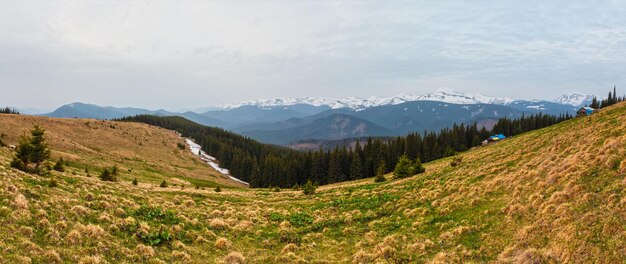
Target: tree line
(8,110)
(610,100)
(264,165)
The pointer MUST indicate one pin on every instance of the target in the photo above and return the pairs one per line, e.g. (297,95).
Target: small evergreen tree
(59,165)
(218,189)
(163,184)
(114,171)
(135,182)
(107,175)
(404,168)
(309,188)
(31,151)
(380,172)
(418,167)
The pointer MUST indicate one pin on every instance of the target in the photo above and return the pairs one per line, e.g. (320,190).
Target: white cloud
(163,53)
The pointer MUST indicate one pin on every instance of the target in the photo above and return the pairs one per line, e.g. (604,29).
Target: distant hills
(287,120)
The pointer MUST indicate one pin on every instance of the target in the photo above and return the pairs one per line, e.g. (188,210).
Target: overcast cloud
(185,54)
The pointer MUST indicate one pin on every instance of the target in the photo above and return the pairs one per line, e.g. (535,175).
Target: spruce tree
(380,172)
(404,168)
(59,165)
(356,167)
(418,167)
(31,151)
(308,188)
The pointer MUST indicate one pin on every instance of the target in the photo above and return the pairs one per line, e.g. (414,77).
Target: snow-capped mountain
(356,103)
(456,97)
(575,99)
(441,95)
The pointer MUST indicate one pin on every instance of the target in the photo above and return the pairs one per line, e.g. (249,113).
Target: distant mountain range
(287,120)
(440,95)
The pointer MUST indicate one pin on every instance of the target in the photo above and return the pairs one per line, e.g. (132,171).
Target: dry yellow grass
(554,195)
(151,153)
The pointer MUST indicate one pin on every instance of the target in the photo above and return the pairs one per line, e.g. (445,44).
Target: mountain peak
(574,98)
(456,97)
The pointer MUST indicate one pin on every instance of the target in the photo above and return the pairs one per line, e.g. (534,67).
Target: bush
(163,184)
(309,188)
(456,161)
(218,189)
(31,152)
(156,238)
(53,183)
(277,189)
(405,167)
(59,165)
(135,182)
(107,175)
(181,146)
(418,167)
(114,170)
(380,172)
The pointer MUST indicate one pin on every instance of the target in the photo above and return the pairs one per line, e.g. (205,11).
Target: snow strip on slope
(197,150)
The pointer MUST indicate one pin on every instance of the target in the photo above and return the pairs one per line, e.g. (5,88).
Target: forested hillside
(267,165)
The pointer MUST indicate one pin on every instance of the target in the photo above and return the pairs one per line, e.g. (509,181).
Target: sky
(192,54)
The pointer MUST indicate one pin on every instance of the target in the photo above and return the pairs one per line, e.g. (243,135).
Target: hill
(548,196)
(82,110)
(332,127)
(145,152)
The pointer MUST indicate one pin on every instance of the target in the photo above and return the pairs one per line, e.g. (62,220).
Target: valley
(550,195)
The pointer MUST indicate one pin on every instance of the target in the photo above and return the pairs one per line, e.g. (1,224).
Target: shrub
(135,182)
(53,183)
(277,189)
(59,165)
(456,161)
(114,170)
(163,184)
(156,238)
(181,145)
(418,167)
(404,168)
(380,172)
(31,151)
(107,175)
(218,189)
(155,214)
(309,188)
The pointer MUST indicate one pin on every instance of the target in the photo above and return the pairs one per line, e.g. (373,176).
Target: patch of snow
(536,107)
(477,112)
(212,161)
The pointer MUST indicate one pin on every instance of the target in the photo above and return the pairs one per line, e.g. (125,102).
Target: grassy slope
(552,195)
(150,152)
